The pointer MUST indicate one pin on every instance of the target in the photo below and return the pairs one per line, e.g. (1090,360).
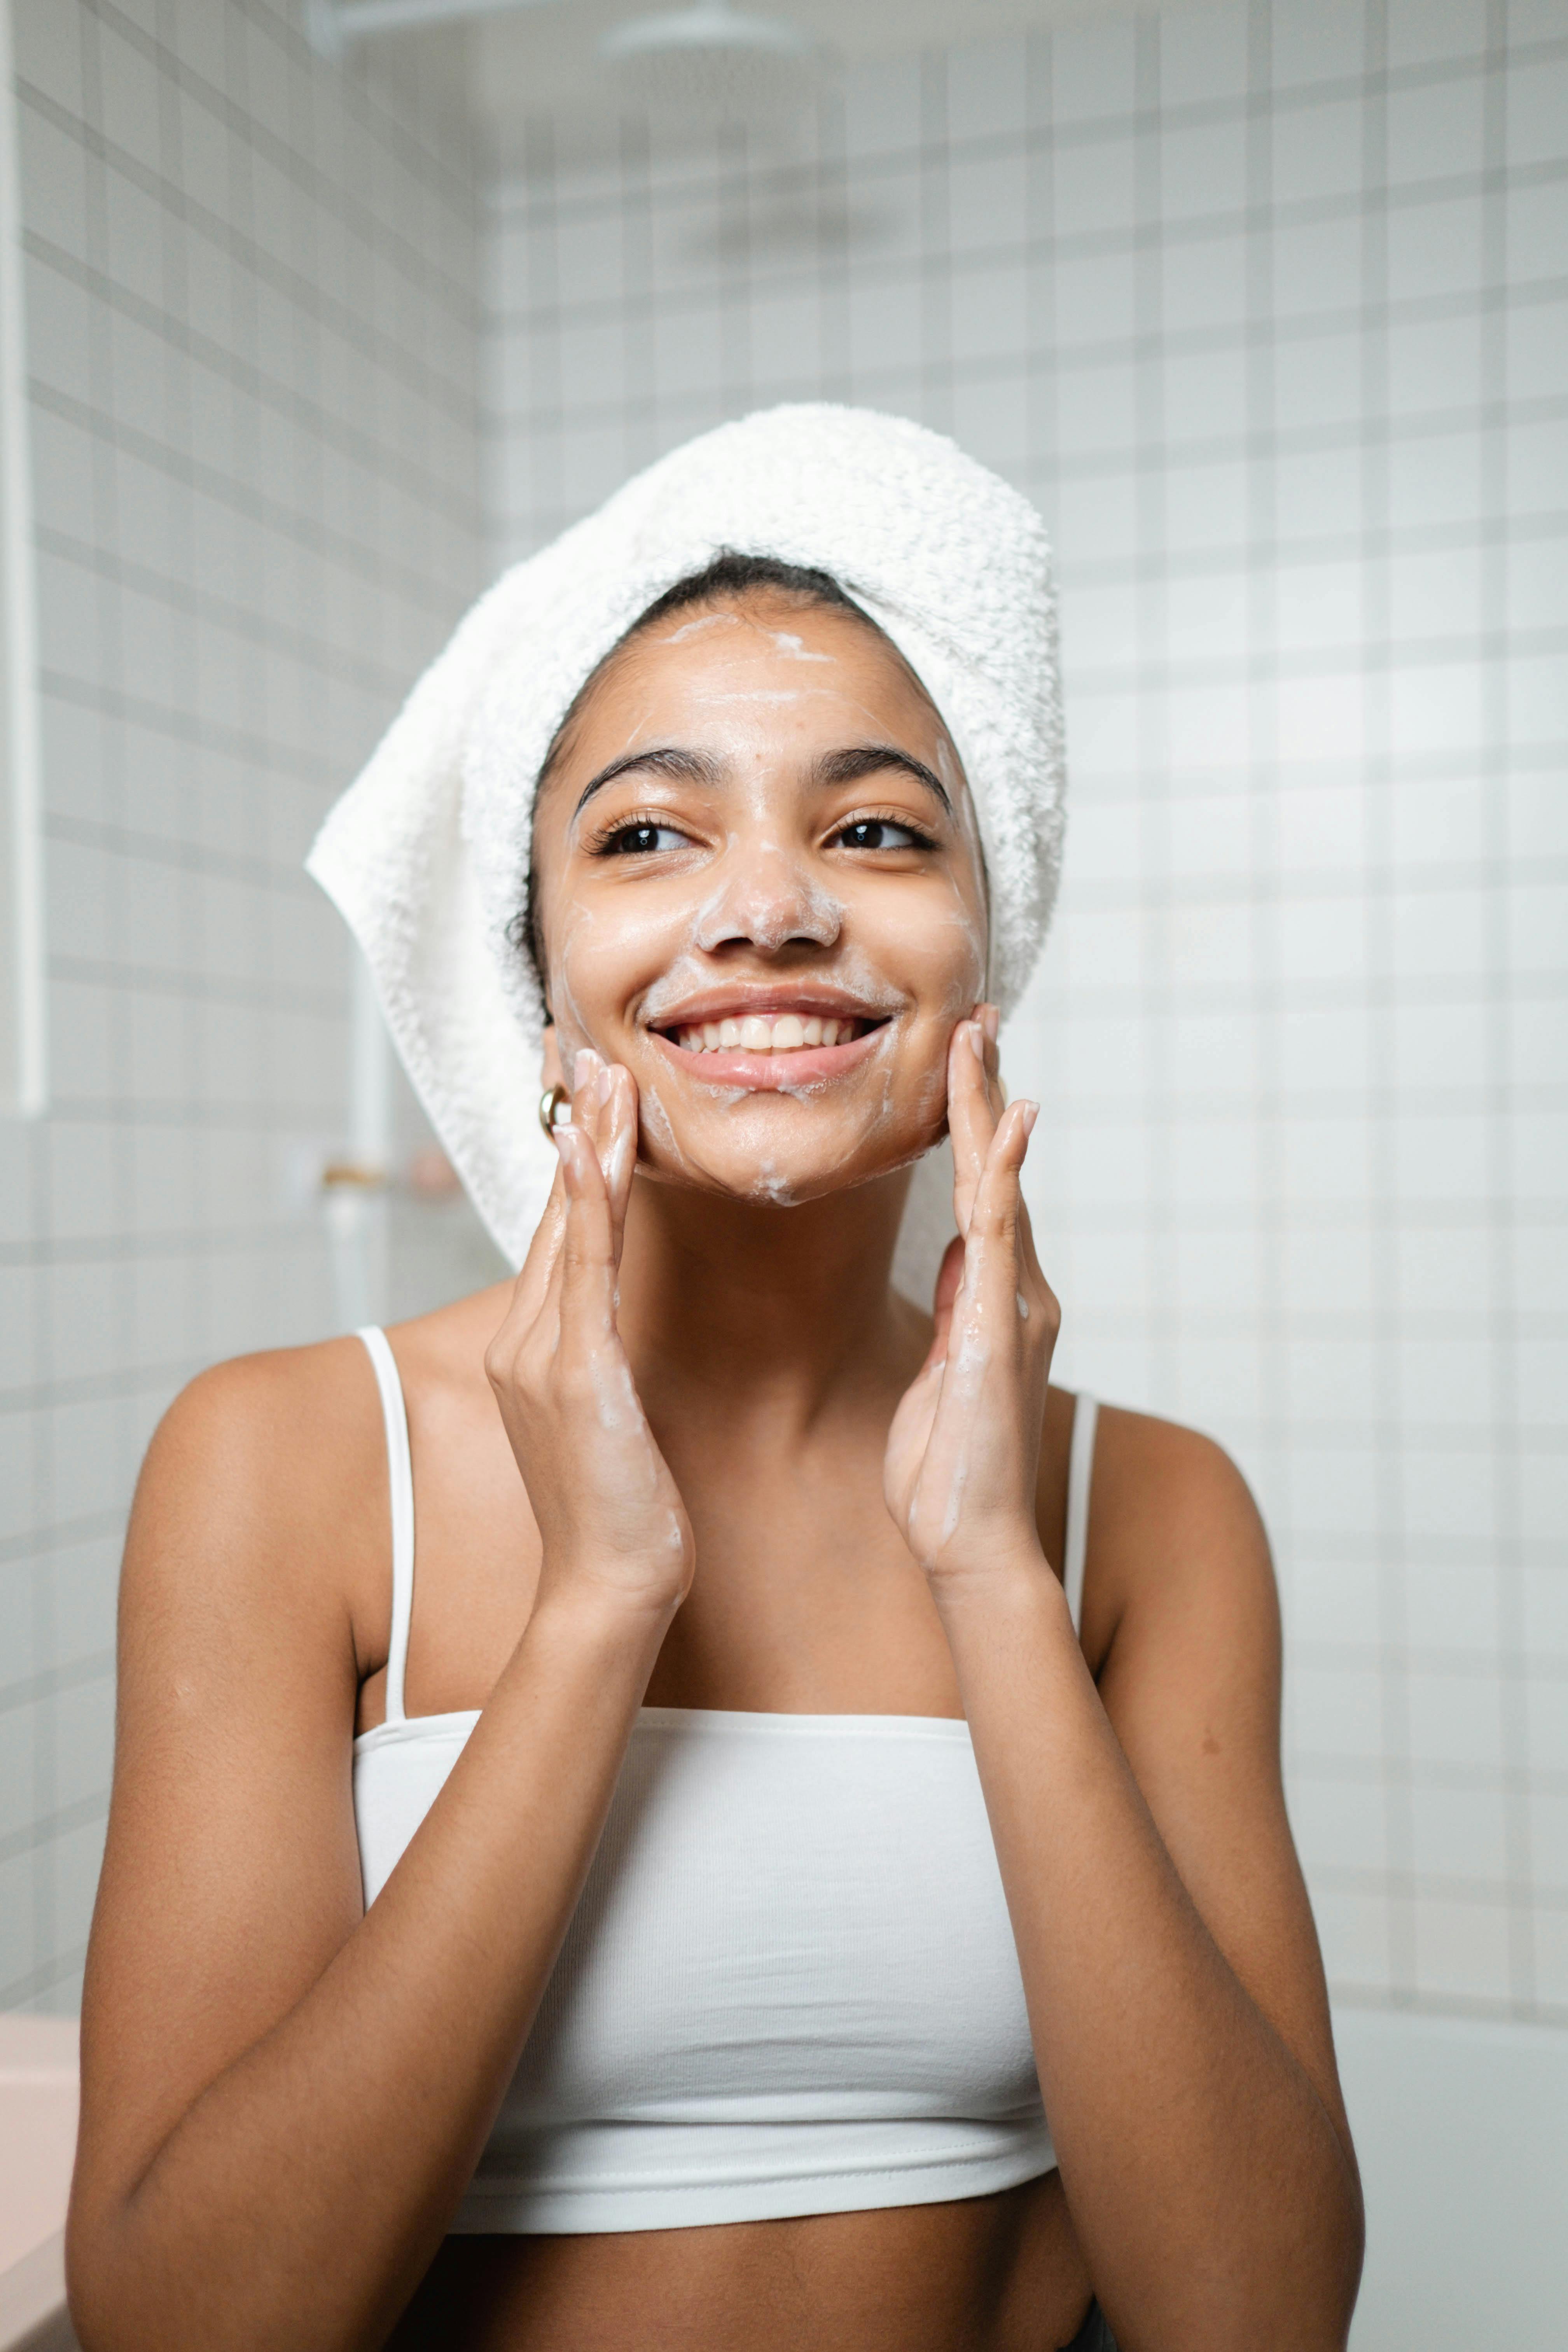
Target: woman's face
(759,886)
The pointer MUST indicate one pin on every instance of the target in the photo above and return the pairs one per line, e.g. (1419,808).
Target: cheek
(594,959)
(958,946)
(939,957)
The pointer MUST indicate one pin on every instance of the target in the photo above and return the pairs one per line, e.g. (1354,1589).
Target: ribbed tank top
(790,1985)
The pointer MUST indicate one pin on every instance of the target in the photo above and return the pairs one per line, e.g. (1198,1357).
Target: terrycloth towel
(425,854)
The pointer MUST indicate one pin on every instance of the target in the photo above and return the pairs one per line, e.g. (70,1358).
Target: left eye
(642,840)
(880,833)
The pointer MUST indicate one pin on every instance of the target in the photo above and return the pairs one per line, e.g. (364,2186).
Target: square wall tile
(1462,1949)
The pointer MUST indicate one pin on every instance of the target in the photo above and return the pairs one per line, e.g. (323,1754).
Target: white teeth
(764,1033)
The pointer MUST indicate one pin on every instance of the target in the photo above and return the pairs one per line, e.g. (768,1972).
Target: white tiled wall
(1267,307)
(252,314)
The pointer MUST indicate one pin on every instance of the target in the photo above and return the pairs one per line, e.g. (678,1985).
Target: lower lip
(802,1066)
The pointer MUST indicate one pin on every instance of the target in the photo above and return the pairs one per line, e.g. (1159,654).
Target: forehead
(822,663)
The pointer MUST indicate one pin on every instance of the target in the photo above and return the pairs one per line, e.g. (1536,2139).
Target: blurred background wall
(253,323)
(1267,306)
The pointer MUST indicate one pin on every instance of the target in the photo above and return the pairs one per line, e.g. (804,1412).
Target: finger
(607,1094)
(970,1120)
(531,1287)
(990,1019)
(618,1152)
(1028,1256)
(536,1291)
(590,1094)
(1029,1264)
(586,1271)
(993,1268)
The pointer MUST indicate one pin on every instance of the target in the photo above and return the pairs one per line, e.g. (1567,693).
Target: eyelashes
(639,838)
(912,837)
(650,834)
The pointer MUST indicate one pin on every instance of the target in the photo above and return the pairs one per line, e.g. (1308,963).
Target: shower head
(713,60)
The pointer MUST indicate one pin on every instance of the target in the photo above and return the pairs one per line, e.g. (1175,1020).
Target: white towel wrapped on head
(427,854)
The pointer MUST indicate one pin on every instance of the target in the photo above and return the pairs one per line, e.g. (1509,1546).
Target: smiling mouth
(769,1033)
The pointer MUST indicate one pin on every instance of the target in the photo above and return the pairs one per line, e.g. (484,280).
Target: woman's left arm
(1175,1991)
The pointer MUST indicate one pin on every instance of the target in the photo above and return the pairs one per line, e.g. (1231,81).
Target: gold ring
(554,1108)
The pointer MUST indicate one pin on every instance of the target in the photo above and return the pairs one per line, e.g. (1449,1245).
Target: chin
(783,1172)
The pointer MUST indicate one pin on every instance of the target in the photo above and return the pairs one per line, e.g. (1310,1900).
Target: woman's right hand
(609,1513)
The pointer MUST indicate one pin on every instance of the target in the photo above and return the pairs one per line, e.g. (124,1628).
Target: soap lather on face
(757,883)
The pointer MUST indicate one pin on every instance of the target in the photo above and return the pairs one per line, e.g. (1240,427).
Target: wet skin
(783,827)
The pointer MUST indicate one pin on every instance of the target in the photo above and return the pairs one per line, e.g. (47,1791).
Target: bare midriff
(1000,2274)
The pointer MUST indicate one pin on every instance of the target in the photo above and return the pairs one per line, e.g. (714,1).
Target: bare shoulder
(265,1481)
(1177,1552)
(239,1412)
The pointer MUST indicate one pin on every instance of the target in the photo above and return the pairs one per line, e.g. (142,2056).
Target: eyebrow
(663,759)
(845,767)
(865,759)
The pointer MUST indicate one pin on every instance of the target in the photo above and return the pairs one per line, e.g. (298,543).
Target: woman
(747,1823)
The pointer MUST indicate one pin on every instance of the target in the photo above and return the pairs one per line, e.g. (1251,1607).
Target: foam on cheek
(867,982)
(932,1094)
(621,1155)
(676,982)
(656,1120)
(648,939)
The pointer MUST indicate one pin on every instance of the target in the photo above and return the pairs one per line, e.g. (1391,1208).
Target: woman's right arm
(284,2096)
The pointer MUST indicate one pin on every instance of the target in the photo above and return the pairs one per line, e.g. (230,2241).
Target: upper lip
(735,1001)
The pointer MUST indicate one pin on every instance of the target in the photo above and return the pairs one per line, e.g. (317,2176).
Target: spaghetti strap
(399,1479)
(1081,1473)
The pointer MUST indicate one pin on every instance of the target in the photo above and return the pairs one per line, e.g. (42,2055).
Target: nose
(768,897)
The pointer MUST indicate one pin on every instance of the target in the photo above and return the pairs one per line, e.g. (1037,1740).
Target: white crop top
(789,1986)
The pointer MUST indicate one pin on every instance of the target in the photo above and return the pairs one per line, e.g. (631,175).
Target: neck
(759,1306)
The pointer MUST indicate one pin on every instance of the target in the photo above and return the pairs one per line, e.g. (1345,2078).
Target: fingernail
(991,1019)
(602,1084)
(1031,1113)
(584,1062)
(977,1040)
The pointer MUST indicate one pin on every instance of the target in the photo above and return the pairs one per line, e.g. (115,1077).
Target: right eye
(640,839)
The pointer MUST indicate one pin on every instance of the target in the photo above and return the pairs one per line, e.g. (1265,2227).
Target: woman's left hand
(964,1449)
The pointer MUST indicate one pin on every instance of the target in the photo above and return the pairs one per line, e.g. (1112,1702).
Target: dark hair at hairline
(729,575)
